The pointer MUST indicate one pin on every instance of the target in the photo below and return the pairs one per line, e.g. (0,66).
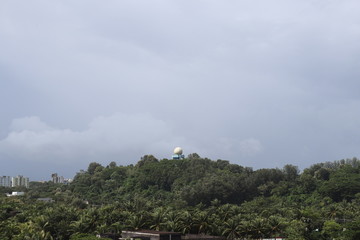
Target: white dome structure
(178,151)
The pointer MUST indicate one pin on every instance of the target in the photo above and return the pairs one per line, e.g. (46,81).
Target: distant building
(5,181)
(201,237)
(56,178)
(150,235)
(276,238)
(112,236)
(20,181)
(67,180)
(159,235)
(15,194)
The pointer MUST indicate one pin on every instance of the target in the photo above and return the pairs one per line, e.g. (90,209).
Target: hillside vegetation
(192,195)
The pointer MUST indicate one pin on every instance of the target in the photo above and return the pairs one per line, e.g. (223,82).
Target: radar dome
(178,151)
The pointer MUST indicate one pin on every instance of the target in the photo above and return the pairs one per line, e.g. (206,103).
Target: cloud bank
(259,83)
(121,138)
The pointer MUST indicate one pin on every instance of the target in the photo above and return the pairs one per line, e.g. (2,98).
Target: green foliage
(146,160)
(342,184)
(193,195)
(94,167)
(332,230)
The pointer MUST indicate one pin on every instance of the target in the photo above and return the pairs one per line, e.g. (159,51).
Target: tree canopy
(191,195)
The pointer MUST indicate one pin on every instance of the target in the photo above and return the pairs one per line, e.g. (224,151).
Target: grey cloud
(106,139)
(28,124)
(120,137)
(247,81)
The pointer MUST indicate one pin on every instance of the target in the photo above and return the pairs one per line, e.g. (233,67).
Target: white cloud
(122,138)
(117,137)
(33,124)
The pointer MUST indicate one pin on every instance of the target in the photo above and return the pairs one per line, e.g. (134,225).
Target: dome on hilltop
(178,151)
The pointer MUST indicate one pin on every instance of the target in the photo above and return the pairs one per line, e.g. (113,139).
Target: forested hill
(194,180)
(193,195)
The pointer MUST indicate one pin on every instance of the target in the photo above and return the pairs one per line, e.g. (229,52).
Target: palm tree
(334,211)
(226,211)
(187,222)
(276,225)
(87,222)
(245,229)
(103,228)
(173,221)
(232,229)
(30,231)
(158,217)
(202,222)
(116,227)
(136,222)
(258,228)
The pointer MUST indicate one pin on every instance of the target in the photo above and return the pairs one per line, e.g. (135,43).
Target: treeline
(192,195)
(194,180)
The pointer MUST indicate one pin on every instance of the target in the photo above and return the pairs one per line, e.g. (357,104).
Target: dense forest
(192,195)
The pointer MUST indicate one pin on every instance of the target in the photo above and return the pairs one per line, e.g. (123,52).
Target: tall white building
(20,181)
(5,181)
(57,179)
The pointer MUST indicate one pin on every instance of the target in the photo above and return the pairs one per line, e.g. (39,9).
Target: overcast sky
(259,83)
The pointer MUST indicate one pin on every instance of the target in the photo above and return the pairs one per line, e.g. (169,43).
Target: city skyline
(17,181)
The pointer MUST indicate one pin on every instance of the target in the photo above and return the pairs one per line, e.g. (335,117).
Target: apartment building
(57,179)
(5,181)
(20,181)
